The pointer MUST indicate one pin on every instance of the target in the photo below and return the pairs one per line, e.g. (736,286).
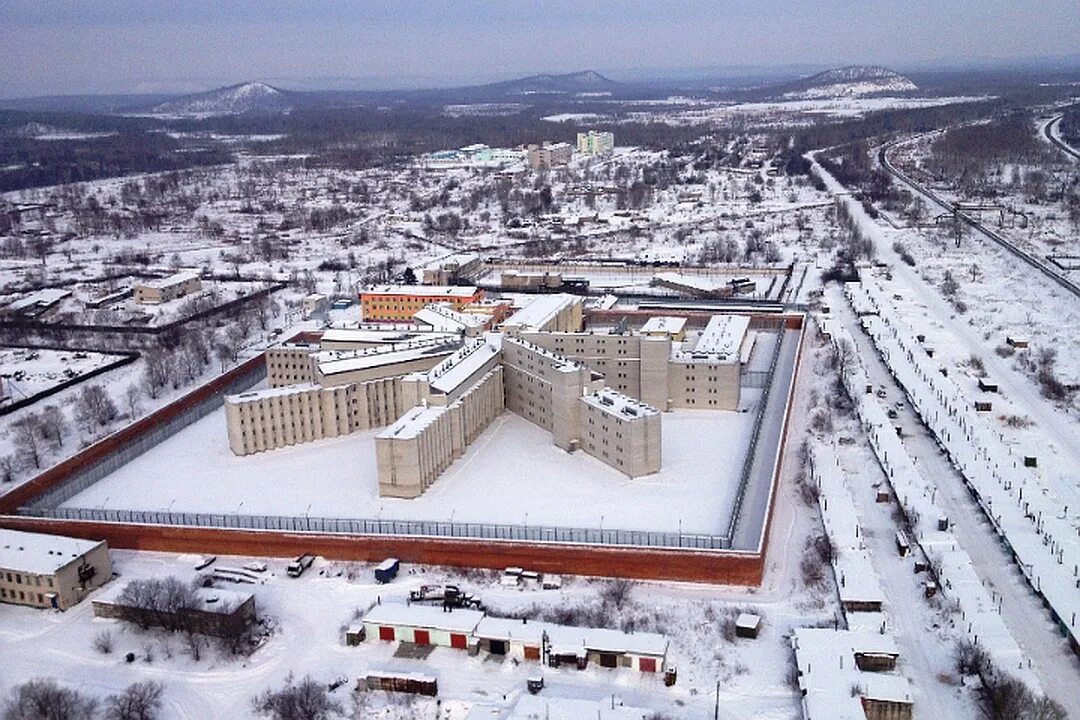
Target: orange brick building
(398,303)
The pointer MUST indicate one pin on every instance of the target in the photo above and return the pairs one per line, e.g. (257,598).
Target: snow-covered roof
(366,359)
(704,284)
(673,325)
(541,311)
(256,395)
(174,279)
(573,639)
(723,336)
(366,336)
(434,291)
(748,621)
(44,297)
(448,375)
(39,553)
(455,260)
(424,616)
(621,406)
(825,659)
(442,318)
(413,422)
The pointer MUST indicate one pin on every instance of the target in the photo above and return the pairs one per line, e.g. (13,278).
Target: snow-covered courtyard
(512,474)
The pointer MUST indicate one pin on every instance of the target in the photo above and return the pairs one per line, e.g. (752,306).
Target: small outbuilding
(422,625)
(747,625)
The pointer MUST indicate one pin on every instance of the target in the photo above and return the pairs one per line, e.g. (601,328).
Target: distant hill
(249,97)
(570,83)
(850,81)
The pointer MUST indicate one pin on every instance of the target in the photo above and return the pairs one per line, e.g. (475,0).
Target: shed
(402,682)
(517,638)
(747,625)
(422,625)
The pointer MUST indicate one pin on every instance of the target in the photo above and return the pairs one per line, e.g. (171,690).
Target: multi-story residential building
(162,290)
(398,303)
(549,155)
(595,143)
(50,571)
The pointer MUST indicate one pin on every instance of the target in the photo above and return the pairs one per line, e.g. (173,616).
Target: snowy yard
(29,371)
(512,474)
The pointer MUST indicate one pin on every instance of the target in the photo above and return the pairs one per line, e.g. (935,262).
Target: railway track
(970,221)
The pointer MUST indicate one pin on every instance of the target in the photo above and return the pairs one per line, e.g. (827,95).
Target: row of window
(21,597)
(17,578)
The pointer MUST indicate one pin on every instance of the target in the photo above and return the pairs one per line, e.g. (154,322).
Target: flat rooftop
(412,423)
(366,360)
(671,325)
(448,375)
(367,336)
(721,340)
(40,554)
(171,280)
(541,310)
(622,406)
(435,291)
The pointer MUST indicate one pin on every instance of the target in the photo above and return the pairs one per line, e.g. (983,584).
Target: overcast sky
(93,46)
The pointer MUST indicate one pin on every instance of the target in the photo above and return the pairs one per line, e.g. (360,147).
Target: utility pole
(716,707)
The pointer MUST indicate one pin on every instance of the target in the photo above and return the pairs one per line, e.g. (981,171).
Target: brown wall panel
(632,562)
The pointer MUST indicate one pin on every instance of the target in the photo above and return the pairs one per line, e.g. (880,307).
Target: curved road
(1056,141)
(1029,259)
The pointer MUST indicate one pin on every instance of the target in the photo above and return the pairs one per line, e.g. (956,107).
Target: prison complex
(601,392)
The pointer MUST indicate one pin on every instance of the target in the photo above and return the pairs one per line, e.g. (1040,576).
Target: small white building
(422,625)
(50,571)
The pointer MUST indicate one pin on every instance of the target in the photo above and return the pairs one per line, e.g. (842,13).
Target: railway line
(972,222)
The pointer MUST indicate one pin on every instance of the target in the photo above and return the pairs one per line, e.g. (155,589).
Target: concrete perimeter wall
(642,563)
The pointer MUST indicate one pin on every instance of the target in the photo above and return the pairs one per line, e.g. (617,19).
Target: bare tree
(44,699)
(26,439)
(139,701)
(304,700)
(53,425)
(7,468)
(94,407)
(133,400)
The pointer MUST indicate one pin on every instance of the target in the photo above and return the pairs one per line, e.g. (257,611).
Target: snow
(29,371)
(439,291)
(412,423)
(39,554)
(424,616)
(722,337)
(828,673)
(669,325)
(511,474)
(540,311)
(619,405)
(334,362)
(447,376)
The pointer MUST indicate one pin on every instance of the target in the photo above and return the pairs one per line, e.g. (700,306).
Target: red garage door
(648,665)
(459,641)
(421,637)
(386,633)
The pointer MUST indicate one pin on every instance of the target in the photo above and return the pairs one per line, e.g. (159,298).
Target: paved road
(1055,139)
(1025,257)
(747,533)
(1057,668)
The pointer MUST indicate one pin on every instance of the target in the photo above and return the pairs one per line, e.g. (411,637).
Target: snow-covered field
(511,474)
(28,371)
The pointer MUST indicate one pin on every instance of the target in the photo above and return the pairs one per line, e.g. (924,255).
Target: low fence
(392,528)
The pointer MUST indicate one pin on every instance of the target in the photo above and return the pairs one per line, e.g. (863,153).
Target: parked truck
(387,570)
(297,567)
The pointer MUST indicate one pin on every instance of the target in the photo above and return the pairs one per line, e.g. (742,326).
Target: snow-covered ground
(29,371)
(511,474)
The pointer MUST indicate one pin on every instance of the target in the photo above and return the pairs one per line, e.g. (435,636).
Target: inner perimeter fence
(48,504)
